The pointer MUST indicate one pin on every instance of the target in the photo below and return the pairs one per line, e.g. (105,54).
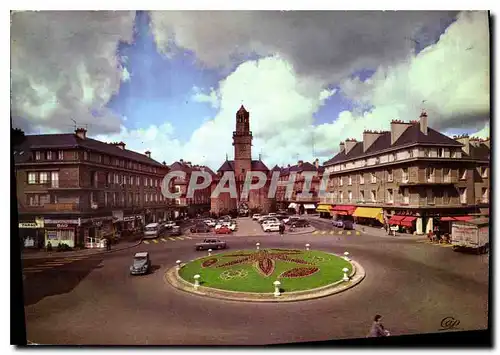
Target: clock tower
(242,142)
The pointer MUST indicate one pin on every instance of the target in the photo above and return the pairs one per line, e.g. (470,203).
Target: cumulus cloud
(324,45)
(210,98)
(64,66)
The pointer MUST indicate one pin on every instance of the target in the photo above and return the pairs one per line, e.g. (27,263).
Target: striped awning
(396,220)
(370,212)
(324,208)
(408,221)
(292,205)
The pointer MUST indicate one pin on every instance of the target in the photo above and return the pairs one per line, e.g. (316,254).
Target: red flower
(209,262)
(266,266)
(299,272)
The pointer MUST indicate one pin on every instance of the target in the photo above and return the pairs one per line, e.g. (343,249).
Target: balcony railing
(53,207)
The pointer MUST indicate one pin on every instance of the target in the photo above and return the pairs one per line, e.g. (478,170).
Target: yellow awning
(369,212)
(323,208)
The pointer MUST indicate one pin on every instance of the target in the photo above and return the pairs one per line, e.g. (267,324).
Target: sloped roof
(412,135)
(70,140)
(306,166)
(257,165)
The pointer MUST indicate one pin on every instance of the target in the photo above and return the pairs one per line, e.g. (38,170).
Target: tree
(16,136)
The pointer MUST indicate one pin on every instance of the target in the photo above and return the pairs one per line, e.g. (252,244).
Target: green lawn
(330,271)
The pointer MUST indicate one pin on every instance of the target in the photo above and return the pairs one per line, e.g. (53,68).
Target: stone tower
(242,142)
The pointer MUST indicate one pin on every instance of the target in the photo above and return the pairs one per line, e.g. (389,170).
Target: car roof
(143,254)
(152,225)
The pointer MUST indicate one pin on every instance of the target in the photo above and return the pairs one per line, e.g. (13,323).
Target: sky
(171,82)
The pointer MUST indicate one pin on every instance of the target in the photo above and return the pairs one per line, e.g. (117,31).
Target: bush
(63,247)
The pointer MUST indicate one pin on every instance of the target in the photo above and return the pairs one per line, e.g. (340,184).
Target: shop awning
(408,221)
(369,212)
(324,208)
(343,209)
(395,219)
(309,206)
(292,205)
(458,218)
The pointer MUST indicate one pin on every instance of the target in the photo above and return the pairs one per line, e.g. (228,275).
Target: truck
(471,235)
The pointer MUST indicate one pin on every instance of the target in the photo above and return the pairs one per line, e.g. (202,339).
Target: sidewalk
(41,254)
(380,232)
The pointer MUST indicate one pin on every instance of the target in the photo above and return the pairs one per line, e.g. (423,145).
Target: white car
(210,222)
(272,227)
(269,221)
(232,226)
(272,215)
(217,226)
(256,217)
(169,224)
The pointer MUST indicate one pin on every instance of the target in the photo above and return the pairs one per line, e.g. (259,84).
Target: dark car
(200,228)
(141,264)
(300,223)
(338,223)
(348,225)
(211,244)
(175,230)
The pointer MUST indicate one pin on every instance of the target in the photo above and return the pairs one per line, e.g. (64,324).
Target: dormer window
(37,156)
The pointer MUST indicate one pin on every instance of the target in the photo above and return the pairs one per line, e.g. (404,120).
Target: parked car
(169,224)
(256,216)
(200,228)
(271,227)
(211,244)
(223,230)
(267,219)
(175,231)
(338,223)
(300,223)
(270,221)
(348,224)
(141,264)
(233,226)
(272,214)
(290,219)
(210,222)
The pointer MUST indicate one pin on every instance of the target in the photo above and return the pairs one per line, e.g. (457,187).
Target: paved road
(93,300)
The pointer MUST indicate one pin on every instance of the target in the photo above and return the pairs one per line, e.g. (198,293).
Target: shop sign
(63,221)
(26,225)
(62,225)
(131,218)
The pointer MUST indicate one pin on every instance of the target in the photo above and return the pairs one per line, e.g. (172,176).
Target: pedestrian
(377,329)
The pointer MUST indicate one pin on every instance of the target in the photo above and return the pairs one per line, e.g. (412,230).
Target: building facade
(257,200)
(199,203)
(411,176)
(297,203)
(79,191)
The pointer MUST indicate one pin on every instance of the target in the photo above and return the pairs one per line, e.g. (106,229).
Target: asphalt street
(94,300)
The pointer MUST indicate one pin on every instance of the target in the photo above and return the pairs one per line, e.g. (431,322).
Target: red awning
(408,221)
(458,218)
(395,219)
(343,209)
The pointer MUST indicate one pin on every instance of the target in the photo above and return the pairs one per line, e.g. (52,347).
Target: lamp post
(196,281)
(276,288)
(346,256)
(209,252)
(345,278)
(178,262)
(307,246)
(257,245)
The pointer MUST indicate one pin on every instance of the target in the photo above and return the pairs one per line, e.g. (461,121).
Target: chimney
(181,160)
(341,147)
(148,154)
(423,122)
(81,133)
(369,137)
(398,127)
(288,166)
(316,163)
(121,145)
(349,144)
(464,139)
(300,162)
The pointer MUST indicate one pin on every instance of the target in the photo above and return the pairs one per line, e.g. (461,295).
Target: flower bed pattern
(265,266)
(209,262)
(299,272)
(232,274)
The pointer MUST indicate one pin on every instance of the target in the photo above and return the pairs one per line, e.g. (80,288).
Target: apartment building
(412,176)
(296,202)
(200,202)
(77,190)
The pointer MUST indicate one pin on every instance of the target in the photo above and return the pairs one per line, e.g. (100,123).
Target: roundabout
(267,275)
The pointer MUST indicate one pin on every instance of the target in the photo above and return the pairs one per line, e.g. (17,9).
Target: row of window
(114,178)
(110,199)
(97,158)
(428,196)
(44,177)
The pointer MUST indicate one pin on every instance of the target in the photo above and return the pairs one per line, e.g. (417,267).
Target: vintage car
(200,228)
(211,244)
(256,217)
(210,222)
(223,230)
(175,231)
(290,219)
(271,227)
(141,264)
(169,224)
(300,223)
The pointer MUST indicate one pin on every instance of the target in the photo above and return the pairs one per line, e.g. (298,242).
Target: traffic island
(266,275)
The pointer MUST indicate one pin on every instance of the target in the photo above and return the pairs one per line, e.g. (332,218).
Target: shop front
(293,208)
(31,233)
(61,231)
(97,230)
(324,210)
(309,208)
(406,224)
(343,212)
(371,216)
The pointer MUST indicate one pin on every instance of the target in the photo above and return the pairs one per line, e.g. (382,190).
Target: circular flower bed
(256,270)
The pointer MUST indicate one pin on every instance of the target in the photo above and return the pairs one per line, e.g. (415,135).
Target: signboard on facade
(62,225)
(118,215)
(131,218)
(63,221)
(28,225)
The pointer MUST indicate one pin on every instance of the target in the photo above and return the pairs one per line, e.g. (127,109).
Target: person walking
(377,329)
